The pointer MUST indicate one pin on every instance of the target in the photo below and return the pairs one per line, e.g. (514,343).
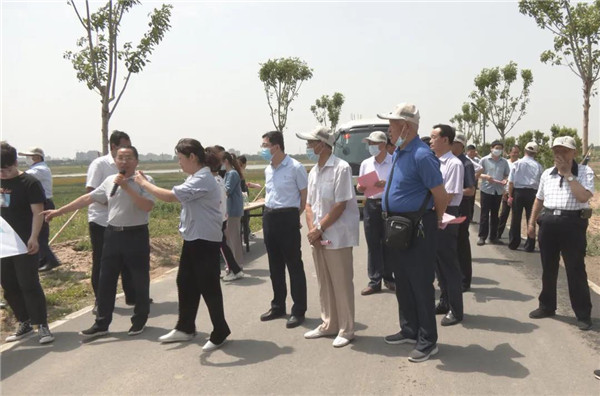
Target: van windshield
(350,147)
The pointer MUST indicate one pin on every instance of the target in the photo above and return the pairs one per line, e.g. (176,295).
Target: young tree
(98,57)
(282,79)
(493,96)
(469,122)
(327,108)
(576,29)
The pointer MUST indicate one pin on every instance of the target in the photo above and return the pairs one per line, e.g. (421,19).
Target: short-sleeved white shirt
(382,169)
(329,185)
(284,183)
(122,210)
(201,216)
(40,171)
(98,171)
(556,196)
(453,173)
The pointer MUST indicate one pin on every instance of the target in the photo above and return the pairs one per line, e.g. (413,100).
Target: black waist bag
(399,232)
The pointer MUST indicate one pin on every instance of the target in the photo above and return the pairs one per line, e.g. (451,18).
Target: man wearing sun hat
(333,219)
(562,211)
(415,173)
(380,162)
(523,182)
(38,168)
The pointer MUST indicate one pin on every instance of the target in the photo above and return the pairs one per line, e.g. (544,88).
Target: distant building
(87,157)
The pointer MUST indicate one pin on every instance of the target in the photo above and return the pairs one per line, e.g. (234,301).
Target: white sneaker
(316,333)
(175,336)
(210,346)
(340,342)
(231,276)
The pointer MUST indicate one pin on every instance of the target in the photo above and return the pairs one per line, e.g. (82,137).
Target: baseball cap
(531,146)
(403,111)
(321,133)
(565,141)
(376,137)
(461,138)
(33,151)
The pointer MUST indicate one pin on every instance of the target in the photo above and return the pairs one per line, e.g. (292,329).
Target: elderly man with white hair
(562,210)
(332,218)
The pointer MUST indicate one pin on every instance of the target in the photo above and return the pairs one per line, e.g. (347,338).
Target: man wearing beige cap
(38,168)
(523,182)
(562,211)
(332,218)
(414,178)
(380,162)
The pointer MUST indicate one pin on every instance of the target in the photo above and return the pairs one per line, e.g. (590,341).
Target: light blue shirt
(235,199)
(284,183)
(498,170)
(40,171)
(526,173)
(200,198)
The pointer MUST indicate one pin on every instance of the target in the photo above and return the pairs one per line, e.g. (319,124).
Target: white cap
(403,111)
(376,137)
(565,141)
(461,138)
(33,151)
(531,146)
(321,133)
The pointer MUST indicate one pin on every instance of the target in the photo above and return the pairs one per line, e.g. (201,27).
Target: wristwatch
(320,228)
(570,178)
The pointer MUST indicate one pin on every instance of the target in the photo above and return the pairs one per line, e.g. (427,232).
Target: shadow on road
(498,324)
(246,352)
(486,294)
(489,260)
(572,321)
(373,345)
(476,359)
(476,280)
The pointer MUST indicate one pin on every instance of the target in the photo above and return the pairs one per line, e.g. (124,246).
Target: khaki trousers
(335,274)
(233,233)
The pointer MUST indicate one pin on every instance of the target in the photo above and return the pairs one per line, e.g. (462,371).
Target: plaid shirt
(556,193)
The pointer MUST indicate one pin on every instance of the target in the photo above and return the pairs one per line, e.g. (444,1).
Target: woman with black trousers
(200,226)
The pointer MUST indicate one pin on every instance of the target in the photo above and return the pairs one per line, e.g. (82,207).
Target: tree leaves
(328,108)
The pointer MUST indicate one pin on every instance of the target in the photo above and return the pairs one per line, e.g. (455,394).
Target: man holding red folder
(372,176)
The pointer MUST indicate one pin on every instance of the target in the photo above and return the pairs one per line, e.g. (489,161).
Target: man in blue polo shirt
(415,171)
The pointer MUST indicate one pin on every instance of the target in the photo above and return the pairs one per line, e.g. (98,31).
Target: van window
(350,147)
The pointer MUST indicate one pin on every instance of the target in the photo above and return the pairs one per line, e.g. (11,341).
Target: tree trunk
(105,120)
(587,89)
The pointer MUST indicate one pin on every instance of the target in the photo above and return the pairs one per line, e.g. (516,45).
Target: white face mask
(29,160)
(497,152)
(374,150)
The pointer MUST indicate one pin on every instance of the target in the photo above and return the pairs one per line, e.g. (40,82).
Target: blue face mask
(310,153)
(400,140)
(374,150)
(266,154)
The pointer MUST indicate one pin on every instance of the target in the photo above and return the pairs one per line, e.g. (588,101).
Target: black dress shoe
(271,314)
(441,309)
(294,321)
(450,319)
(540,313)
(48,266)
(481,242)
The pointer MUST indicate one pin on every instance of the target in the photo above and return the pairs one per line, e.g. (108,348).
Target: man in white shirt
(448,268)
(332,218)
(98,171)
(381,163)
(513,157)
(40,170)
(562,203)
(523,182)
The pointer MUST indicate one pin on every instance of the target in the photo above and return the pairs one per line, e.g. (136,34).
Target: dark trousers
(414,273)
(281,229)
(198,276)
(503,218)
(463,246)
(566,236)
(447,267)
(22,289)
(377,267)
(523,198)
(245,223)
(131,249)
(227,253)
(488,221)
(97,240)
(46,255)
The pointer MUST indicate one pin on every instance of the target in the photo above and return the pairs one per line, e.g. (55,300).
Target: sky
(203,82)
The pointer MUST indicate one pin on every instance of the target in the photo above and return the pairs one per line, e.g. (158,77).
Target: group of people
(426,183)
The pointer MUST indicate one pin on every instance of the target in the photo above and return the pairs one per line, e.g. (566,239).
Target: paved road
(496,350)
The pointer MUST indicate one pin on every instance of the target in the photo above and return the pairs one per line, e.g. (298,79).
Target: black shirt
(16,196)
